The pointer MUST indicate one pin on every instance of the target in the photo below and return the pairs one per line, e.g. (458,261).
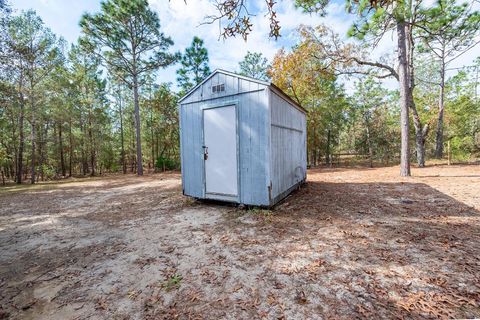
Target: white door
(220,134)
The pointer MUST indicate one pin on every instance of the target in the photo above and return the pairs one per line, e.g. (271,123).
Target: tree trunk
(404,97)
(33,138)
(137,126)
(60,145)
(420,132)
(449,154)
(441,106)
(11,170)
(420,135)
(152,134)
(122,139)
(13,174)
(314,145)
(369,142)
(70,152)
(132,146)
(41,152)
(21,145)
(327,151)
(26,172)
(92,144)
(157,146)
(84,160)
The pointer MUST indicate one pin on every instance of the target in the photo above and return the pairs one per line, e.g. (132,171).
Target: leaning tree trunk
(420,132)
(137,127)
(404,97)
(420,135)
(441,107)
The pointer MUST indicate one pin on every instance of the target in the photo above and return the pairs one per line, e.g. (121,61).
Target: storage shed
(242,140)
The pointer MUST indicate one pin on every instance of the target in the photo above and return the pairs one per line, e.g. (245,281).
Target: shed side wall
(288,145)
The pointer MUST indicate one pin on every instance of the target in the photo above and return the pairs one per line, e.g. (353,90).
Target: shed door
(220,134)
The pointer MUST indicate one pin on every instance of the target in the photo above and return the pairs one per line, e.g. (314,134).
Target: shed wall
(253,125)
(288,145)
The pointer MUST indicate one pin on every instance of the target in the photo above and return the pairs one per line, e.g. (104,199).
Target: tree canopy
(255,65)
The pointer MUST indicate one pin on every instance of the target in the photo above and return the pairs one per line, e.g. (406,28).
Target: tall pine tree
(126,34)
(448,32)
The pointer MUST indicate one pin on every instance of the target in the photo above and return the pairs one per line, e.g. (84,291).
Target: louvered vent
(218,88)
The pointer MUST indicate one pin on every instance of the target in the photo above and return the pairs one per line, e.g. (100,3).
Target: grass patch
(266,214)
(172,283)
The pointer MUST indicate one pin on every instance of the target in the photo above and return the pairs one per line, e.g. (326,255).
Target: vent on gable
(218,88)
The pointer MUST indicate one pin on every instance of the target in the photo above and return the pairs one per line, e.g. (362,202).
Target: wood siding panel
(288,145)
(254,164)
(191,148)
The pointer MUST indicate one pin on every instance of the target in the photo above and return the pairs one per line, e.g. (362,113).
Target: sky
(182,21)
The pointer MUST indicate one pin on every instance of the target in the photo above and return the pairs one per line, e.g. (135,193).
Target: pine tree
(255,65)
(194,65)
(448,32)
(126,34)
(34,53)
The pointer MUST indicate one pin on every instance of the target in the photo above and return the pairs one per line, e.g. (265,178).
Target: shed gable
(220,84)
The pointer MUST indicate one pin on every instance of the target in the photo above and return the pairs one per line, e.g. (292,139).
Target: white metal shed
(242,140)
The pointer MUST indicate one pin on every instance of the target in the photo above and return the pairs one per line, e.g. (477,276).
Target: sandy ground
(352,243)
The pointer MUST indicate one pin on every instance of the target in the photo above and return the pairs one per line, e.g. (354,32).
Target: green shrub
(165,163)
(48,171)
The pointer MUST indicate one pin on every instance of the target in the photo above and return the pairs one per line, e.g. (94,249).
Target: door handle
(205,152)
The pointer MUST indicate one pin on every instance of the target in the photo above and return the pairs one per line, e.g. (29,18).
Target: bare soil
(352,243)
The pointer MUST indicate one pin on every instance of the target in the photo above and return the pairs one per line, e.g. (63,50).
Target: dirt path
(352,243)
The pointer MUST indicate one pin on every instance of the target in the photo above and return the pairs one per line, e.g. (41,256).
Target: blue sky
(183,21)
